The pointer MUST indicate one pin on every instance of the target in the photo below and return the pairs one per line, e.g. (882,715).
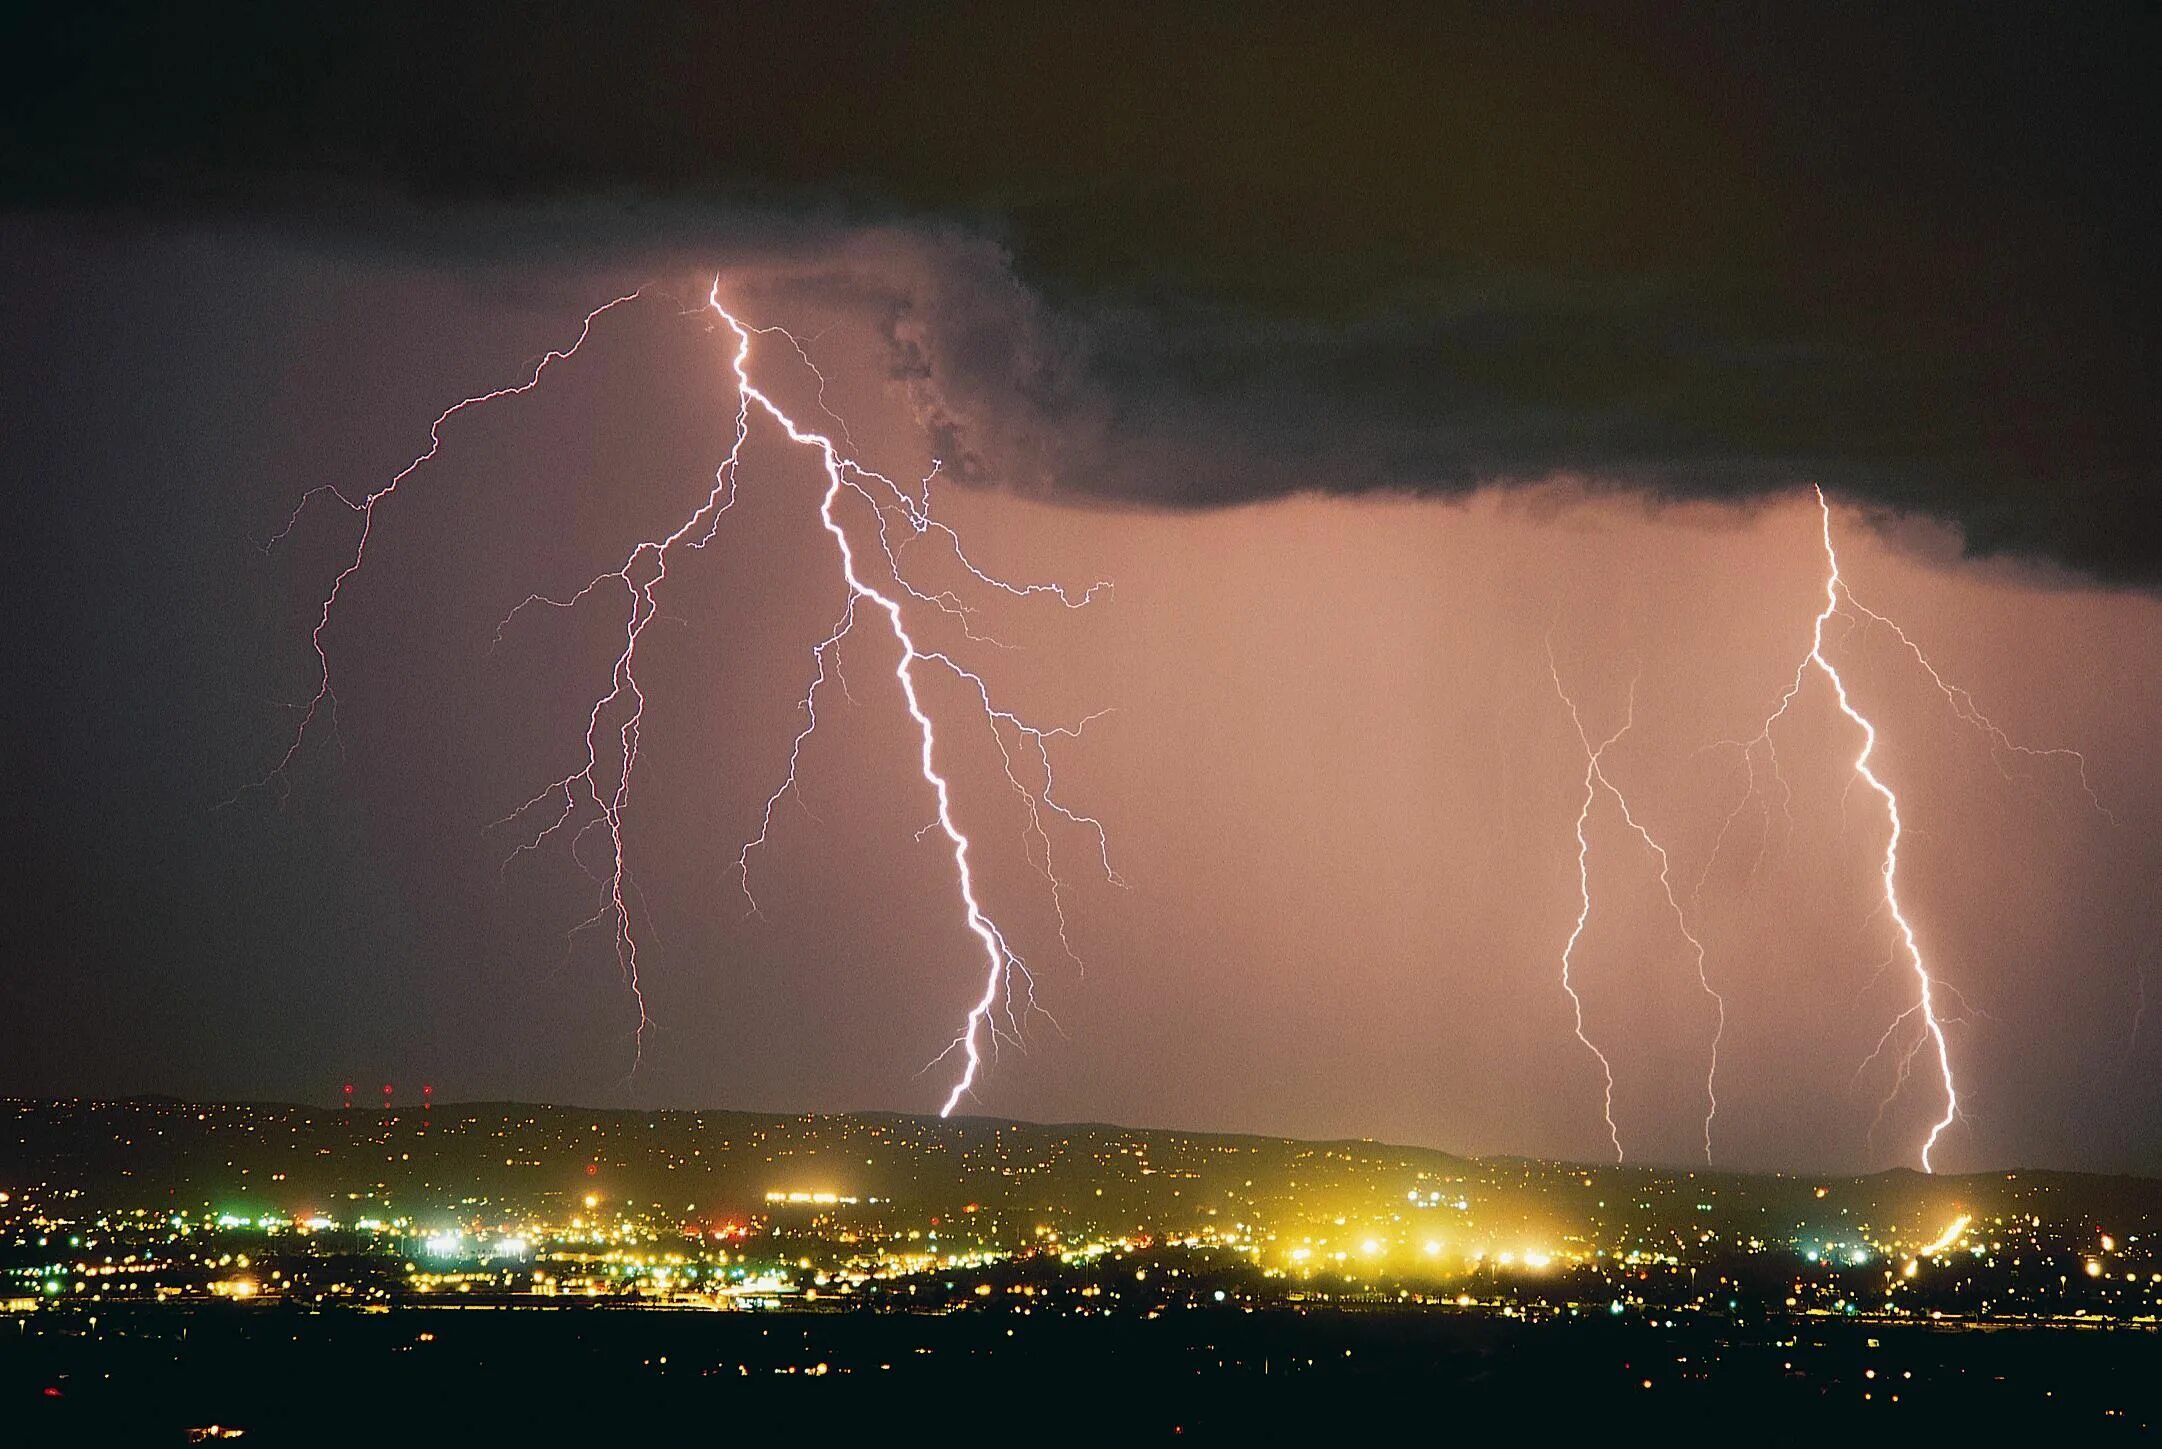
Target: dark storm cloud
(1227,253)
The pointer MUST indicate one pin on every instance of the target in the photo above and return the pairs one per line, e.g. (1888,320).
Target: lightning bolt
(1596,779)
(1001,964)
(1576,933)
(1924,1008)
(1929,1035)
(595,797)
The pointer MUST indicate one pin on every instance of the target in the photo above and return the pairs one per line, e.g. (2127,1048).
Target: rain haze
(1381,495)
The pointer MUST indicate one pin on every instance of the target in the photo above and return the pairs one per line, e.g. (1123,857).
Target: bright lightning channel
(1001,963)
(1595,780)
(1926,985)
(1840,597)
(597,794)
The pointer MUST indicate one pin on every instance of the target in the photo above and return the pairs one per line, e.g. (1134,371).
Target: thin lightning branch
(2140,964)
(2139,1003)
(1877,973)
(828,649)
(1753,793)
(1903,1069)
(1964,707)
(1905,1058)
(945,600)
(1749,748)
(324,698)
(595,797)
(917,511)
(1036,840)
(804,354)
(1595,779)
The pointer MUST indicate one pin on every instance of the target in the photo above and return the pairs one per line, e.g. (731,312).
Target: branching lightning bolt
(1595,780)
(1924,1008)
(595,797)
(1001,963)
(1839,599)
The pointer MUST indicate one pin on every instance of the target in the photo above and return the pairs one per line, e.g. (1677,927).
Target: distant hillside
(501,1160)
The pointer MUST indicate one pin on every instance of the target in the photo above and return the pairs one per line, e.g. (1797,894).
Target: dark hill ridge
(505,1161)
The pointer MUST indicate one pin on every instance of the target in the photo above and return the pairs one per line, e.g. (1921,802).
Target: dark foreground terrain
(149,1374)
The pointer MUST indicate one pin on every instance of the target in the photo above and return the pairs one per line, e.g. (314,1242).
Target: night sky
(1371,354)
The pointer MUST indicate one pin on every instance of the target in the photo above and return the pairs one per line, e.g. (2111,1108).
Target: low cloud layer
(1229,255)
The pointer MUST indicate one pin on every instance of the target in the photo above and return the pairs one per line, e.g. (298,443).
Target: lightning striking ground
(1929,1034)
(1924,1007)
(1595,780)
(1576,933)
(595,797)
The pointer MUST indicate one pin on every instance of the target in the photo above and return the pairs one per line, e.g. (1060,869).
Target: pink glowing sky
(1335,774)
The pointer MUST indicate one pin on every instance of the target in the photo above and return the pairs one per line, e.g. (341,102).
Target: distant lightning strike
(1929,988)
(1576,933)
(1839,599)
(597,794)
(1001,962)
(1595,780)
(1926,985)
